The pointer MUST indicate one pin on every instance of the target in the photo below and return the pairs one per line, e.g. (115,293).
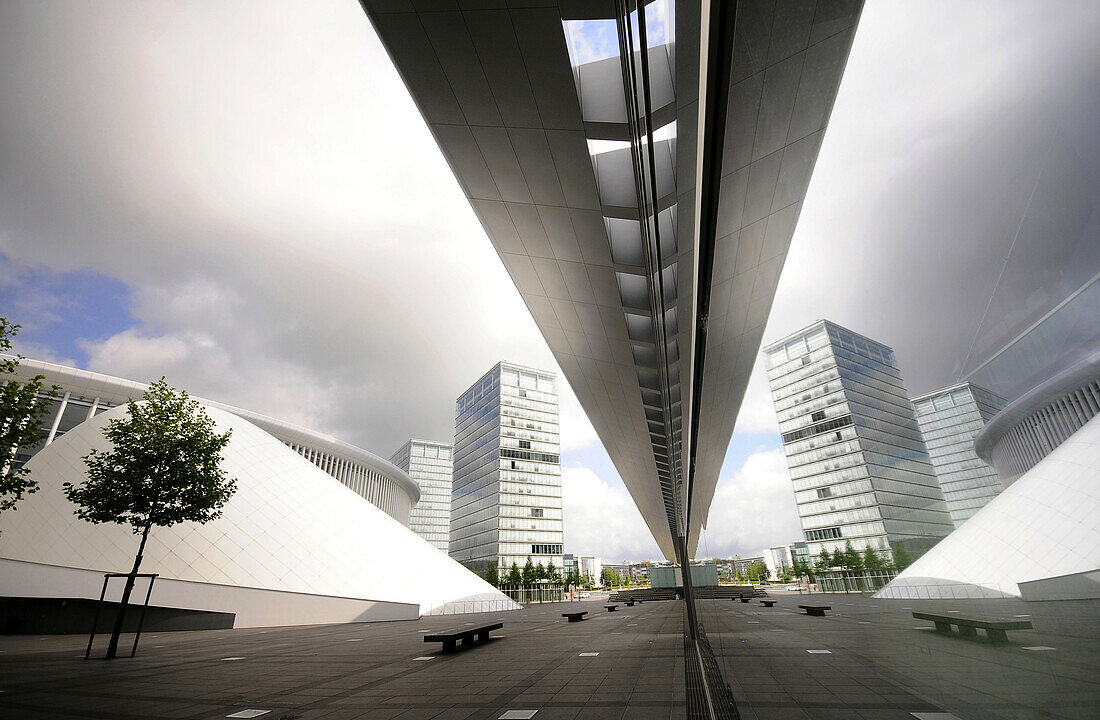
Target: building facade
(859,466)
(949,420)
(83,395)
(429,464)
(293,545)
(506,492)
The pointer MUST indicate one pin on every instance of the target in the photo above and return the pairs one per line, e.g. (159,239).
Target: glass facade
(949,419)
(506,494)
(430,465)
(858,463)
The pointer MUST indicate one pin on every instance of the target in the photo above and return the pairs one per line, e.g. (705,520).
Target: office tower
(949,419)
(429,464)
(506,495)
(860,469)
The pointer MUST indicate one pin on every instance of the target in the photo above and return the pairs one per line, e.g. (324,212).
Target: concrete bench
(768,603)
(629,603)
(575,616)
(611,608)
(815,609)
(743,599)
(450,638)
(968,627)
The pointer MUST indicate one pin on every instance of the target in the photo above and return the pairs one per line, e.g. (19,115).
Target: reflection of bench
(575,616)
(611,608)
(768,603)
(815,609)
(968,627)
(450,638)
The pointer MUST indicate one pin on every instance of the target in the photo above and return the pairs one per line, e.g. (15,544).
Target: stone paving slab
(878,667)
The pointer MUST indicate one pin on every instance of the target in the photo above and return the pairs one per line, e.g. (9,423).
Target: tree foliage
(872,560)
(492,576)
(163,468)
(552,573)
(851,559)
(610,577)
(757,570)
(515,577)
(540,571)
(529,572)
(802,569)
(902,559)
(22,407)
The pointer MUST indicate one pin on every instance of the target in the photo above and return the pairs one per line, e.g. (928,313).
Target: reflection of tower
(506,492)
(949,419)
(859,466)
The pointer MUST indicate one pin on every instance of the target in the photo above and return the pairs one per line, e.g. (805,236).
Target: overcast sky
(242,196)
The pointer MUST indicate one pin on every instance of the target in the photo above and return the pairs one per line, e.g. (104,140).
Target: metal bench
(575,616)
(815,609)
(968,627)
(450,638)
(611,608)
(768,603)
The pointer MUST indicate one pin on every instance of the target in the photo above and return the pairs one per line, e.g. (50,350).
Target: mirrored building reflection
(859,466)
(949,420)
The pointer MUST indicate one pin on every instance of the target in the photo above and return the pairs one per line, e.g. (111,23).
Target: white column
(57,419)
(91,409)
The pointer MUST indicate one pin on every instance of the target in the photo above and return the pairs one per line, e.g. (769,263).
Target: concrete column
(91,410)
(57,419)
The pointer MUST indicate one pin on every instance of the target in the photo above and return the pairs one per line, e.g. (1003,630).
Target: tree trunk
(112,648)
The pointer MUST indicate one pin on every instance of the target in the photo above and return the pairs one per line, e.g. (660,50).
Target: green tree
(529,575)
(871,559)
(824,561)
(515,577)
(802,569)
(492,575)
(552,573)
(609,577)
(163,469)
(758,569)
(540,572)
(852,559)
(902,558)
(22,406)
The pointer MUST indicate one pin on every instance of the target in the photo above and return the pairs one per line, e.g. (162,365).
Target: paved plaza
(866,659)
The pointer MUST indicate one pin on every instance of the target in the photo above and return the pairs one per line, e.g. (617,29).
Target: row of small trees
(530,574)
(851,559)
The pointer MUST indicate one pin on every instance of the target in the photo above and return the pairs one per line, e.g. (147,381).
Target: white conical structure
(291,533)
(1042,531)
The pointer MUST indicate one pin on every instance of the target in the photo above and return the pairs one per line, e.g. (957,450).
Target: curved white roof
(117,391)
(289,527)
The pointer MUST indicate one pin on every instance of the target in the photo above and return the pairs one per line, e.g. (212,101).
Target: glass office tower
(429,464)
(949,419)
(857,460)
(506,495)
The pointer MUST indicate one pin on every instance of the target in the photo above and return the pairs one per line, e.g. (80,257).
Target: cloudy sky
(241,196)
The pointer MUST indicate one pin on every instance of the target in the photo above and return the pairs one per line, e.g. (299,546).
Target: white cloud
(757,413)
(602,520)
(754,509)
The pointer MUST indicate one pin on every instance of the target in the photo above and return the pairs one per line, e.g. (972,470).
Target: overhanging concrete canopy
(605,240)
